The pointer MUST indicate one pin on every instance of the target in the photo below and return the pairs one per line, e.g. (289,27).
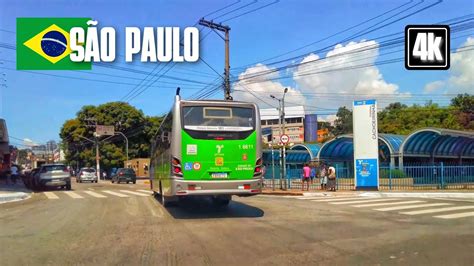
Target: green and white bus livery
(207,148)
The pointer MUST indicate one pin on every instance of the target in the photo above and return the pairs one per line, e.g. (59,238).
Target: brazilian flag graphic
(43,43)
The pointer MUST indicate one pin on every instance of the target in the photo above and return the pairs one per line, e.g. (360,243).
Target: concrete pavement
(14,192)
(84,228)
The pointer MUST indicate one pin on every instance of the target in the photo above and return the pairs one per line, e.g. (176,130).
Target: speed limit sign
(284,139)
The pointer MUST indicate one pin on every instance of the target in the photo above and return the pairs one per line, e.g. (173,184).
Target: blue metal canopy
(312,149)
(437,142)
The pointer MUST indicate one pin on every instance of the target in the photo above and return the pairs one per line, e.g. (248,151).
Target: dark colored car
(124,175)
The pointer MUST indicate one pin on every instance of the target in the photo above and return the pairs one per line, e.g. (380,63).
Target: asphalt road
(82,228)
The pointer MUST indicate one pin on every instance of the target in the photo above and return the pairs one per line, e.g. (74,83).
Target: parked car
(124,175)
(28,177)
(52,175)
(87,174)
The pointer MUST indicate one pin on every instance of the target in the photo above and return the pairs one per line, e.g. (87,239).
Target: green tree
(125,118)
(398,118)
(343,122)
(464,105)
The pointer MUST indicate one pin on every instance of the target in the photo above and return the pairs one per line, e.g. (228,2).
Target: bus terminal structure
(428,158)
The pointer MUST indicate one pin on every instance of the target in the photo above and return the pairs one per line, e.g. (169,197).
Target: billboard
(366,162)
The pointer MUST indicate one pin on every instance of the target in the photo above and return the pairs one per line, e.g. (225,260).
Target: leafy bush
(395,173)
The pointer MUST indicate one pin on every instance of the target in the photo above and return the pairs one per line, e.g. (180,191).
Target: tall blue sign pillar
(366,147)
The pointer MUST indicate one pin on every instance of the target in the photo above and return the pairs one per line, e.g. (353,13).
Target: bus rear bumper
(221,187)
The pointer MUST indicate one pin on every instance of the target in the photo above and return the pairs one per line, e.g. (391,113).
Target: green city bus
(207,148)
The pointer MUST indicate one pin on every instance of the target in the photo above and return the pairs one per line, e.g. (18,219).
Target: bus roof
(218,102)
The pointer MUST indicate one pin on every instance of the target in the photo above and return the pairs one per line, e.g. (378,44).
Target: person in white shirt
(331,178)
(14,173)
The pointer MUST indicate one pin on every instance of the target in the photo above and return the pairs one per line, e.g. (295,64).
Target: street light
(126,142)
(97,161)
(281,108)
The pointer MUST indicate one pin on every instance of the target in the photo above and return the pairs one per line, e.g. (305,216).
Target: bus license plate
(219,175)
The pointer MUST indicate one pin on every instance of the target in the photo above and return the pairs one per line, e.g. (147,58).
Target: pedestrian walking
(332,178)
(306,176)
(14,173)
(323,176)
(313,173)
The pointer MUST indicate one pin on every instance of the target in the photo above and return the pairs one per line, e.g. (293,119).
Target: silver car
(86,174)
(53,175)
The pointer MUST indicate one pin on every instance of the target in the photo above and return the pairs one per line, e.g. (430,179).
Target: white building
(294,123)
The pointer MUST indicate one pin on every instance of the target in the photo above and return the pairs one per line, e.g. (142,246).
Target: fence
(411,177)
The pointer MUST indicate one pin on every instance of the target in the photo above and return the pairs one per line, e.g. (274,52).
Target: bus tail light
(258,167)
(176,164)
(246,186)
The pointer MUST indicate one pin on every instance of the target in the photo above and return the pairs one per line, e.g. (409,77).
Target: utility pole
(96,142)
(283,132)
(226,30)
(281,109)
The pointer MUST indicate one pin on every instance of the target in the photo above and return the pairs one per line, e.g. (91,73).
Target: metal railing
(411,177)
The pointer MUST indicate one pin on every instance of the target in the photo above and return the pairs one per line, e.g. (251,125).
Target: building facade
(295,124)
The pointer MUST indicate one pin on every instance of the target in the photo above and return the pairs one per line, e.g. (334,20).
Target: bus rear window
(213,118)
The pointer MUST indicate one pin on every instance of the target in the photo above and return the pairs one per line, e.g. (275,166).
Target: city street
(124,224)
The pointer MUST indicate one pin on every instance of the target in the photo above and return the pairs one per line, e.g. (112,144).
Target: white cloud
(341,87)
(462,69)
(434,86)
(319,89)
(249,88)
(29,142)
(461,79)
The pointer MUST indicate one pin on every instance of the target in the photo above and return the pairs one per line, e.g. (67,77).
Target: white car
(86,174)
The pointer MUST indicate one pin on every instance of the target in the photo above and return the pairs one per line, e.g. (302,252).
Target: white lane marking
(135,193)
(362,201)
(145,191)
(73,195)
(338,199)
(93,194)
(412,207)
(115,194)
(438,210)
(51,195)
(311,197)
(388,203)
(455,215)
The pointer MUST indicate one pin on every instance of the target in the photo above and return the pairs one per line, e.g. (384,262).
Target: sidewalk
(13,192)
(455,194)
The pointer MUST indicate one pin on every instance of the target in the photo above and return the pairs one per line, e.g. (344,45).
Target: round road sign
(284,139)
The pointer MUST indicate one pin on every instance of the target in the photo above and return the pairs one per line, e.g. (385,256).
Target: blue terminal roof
(291,156)
(393,141)
(439,142)
(312,149)
(342,147)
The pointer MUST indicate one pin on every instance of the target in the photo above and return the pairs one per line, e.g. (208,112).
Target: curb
(282,193)
(12,197)
(452,195)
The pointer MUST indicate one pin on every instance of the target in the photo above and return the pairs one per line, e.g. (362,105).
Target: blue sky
(35,105)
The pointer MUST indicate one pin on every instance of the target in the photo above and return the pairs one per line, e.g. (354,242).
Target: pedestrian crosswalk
(441,210)
(100,194)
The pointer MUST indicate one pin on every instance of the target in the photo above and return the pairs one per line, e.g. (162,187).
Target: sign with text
(104,130)
(366,164)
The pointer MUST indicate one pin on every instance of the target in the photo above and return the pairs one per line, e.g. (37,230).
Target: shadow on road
(203,208)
